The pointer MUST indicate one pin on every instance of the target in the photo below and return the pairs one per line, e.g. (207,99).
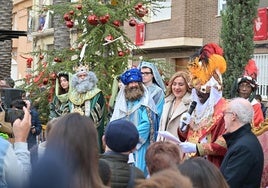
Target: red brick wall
(188,19)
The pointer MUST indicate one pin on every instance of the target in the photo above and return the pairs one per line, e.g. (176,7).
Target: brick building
(172,36)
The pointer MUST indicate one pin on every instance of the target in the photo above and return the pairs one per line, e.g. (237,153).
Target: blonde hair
(182,74)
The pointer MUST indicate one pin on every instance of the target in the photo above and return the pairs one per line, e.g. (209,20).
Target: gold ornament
(78,110)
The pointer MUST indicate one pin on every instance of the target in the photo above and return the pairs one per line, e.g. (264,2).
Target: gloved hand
(185,121)
(188,147)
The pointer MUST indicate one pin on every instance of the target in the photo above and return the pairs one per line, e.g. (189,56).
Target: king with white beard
(87,99)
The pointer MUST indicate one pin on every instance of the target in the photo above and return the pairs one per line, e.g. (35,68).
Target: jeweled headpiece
(131,75)
(81,69)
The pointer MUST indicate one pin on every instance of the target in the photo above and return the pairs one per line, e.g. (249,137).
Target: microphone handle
(182,127)
(190,111)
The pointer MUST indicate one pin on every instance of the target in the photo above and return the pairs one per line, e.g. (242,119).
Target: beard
(134,93)
(83,86)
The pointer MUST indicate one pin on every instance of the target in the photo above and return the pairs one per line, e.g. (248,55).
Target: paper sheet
(167,135)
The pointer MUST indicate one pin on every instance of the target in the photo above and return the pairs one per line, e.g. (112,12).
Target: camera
(11,102)
(15,111)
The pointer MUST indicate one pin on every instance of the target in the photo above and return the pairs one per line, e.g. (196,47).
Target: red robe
(210,129)
(263,139)
(258,115)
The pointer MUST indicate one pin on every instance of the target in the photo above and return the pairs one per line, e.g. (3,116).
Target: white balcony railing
(262,79)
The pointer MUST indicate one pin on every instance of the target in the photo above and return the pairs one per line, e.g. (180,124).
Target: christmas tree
(101,44)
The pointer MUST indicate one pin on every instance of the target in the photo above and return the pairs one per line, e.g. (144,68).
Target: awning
(9,34)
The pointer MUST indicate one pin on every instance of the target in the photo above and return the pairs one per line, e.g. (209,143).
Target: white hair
(243,109)
(85,85)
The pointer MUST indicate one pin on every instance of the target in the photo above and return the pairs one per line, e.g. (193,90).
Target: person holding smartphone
(35,130)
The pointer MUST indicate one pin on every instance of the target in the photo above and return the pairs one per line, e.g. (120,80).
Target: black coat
(36,124)
(121,170)
(242,165)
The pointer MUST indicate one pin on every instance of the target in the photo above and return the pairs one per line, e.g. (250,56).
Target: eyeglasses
(146,73)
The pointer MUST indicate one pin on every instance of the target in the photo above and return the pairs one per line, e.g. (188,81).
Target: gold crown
(81,68)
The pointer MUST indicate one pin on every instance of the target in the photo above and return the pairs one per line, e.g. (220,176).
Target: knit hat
(121,135)
(131,75)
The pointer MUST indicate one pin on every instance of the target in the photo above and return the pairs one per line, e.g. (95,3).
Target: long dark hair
(203,173)
(66,76)
(76,137)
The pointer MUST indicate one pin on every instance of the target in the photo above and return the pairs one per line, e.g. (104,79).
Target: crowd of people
(208,140)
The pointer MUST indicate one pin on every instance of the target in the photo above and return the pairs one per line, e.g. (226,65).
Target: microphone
(190,111)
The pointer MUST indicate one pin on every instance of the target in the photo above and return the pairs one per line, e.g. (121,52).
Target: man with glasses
(152,79)
(246,87)
(243,163)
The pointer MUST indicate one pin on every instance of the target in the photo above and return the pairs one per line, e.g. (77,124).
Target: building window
(30,21)
(261,62)
(14,21)
(163,13)
(221,6)
(44,16)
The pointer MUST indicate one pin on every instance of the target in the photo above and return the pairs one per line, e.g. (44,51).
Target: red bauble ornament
(56,59)
(121,53)
(79,7)
(103,19)
(132,22)
(92,19)
(116,23)
(139,5)
(69,24)
(41,56)
(45,81)
(67,17)
(71,12)
(141,12)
